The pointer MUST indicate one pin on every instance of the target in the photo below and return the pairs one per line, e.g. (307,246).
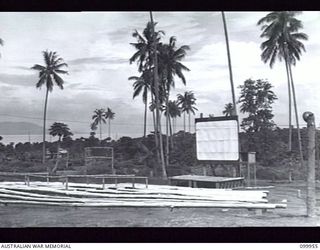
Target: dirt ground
(42,216)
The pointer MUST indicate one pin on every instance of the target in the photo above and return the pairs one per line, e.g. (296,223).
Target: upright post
(67,163)
(112,161)
(67,183)
(311,185)
(248,174)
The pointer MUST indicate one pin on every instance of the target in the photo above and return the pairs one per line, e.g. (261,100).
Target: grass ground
(43,216)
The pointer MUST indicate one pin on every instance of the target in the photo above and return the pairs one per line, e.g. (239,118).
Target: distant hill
(19,128)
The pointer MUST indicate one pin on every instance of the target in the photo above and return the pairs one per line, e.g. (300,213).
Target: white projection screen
(217,139)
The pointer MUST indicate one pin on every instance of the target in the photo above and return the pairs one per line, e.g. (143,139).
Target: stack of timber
(124,195)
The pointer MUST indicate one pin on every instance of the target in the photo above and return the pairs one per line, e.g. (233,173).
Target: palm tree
(141,85)
(283,41)
(174,112)
(98,118)
(170,66)
(154,58)
(229,63)
(144,46)
(182,100)
(48,75)
(191,107)
(144,57)
(110,116)
(60,130)
(187,102)
(228,109)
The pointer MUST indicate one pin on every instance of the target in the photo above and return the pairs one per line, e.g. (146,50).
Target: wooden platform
(207,181)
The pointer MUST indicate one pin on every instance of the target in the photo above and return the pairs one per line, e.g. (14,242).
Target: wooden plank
(137,204)
(78,194)
(185,191)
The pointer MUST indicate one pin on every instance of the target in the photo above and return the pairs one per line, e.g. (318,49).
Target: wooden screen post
(248,174)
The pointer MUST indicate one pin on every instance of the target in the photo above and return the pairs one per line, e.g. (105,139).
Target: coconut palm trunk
(44,130)
(189,122)
(109,128)
(229,63)
(164,171)
(290,105)
(171,134)
(155,130)
(100,127)
(167,130)
(297,117)
(184,121)
(145,117)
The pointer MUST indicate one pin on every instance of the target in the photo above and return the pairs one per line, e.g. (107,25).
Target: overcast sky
(96,47)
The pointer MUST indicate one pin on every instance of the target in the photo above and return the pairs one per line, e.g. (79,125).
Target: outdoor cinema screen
(217,139)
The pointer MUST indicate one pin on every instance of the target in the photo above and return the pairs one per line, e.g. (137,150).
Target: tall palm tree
(98,118)
(62,131)
(229,63)
(170,65)
(110,116)
(187,102)
(283,41)
(154,58)
(144,57)
(141,85)
(49,75)
(228,109)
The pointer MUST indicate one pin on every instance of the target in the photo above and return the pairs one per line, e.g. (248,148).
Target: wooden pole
(311,185)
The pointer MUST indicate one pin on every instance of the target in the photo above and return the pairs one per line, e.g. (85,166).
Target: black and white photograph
(159,119)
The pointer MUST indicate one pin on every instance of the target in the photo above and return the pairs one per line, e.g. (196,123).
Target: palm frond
(38,67)
(59,81)
(41,81)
